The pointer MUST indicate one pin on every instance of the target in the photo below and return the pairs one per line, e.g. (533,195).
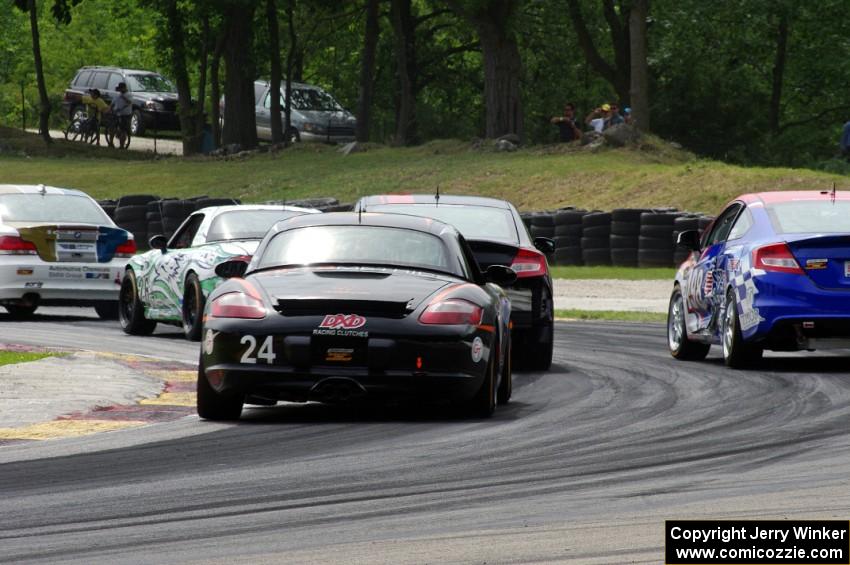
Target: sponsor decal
(817,264)
(477,349)
(33,284)
(342,325)
(745,292)
(343,321)
(209,342)
(339,354)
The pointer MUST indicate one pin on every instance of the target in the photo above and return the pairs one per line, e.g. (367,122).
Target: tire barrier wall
(624,237)
(146,215)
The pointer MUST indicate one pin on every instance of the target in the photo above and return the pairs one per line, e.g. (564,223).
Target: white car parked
(59,248)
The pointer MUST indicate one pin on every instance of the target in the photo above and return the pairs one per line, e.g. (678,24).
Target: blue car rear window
(810,216)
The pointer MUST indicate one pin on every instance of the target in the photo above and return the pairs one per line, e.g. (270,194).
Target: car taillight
(237,305)
(776,257)
(452,312)
(15,245)
(529,263)
(126,249)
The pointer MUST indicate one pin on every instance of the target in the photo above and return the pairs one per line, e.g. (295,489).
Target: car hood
(156,96)
(323,117)
(377,291)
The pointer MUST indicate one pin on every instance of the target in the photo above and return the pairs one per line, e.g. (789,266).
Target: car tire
(107,310)
(131,312)
(483,404)
(137,125)
(681,347)
(506,385)
(193,308)
(212,405)
(539,352)
(19,312)
(737,353)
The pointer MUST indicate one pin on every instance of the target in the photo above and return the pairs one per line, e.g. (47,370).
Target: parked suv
(315,115)
(154,97)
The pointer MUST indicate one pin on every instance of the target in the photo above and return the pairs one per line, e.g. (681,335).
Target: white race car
(170,283)
(59,248)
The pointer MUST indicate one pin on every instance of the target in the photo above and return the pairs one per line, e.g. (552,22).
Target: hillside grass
(618,273)
(536,178)
(610,315)
(15,357)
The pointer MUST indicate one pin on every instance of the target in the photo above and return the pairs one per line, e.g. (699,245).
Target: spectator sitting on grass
(627,115)
(598,118)
(567,128)
(615,118)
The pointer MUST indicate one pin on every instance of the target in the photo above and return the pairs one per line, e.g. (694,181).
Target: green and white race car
(170,283)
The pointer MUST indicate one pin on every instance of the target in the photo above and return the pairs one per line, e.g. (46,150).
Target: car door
(264,124)
(166,295)
(706,279)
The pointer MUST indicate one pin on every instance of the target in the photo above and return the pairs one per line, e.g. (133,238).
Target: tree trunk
(290,62)
(367,71)
(640,68)
(44,101)
(181,76)
(405,51)
(617,76)
(199,112)
(274,56)
(215,90)
(502,70)
(778,72)
(240,123)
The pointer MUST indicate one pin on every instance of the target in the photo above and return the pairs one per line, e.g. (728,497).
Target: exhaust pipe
(337,390)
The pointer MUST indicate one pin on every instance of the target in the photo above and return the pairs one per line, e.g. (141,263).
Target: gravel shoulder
(609,294)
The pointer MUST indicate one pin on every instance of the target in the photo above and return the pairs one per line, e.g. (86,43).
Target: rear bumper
(160,120)
(27,278)
(794,313)
(531,303)
(254,358)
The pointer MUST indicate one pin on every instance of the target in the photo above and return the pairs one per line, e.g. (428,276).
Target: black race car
(497,236)
(338,307)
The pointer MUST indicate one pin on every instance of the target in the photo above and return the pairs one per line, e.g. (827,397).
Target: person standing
(122,107)
(567,128)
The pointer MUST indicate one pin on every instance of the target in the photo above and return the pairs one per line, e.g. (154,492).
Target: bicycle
(84,128)
(113,128)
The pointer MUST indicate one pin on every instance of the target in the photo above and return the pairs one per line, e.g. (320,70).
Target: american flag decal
(709,283)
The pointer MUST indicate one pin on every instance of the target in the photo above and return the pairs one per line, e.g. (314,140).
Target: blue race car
(771,272)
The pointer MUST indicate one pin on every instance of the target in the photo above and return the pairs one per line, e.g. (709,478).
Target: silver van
(315,115)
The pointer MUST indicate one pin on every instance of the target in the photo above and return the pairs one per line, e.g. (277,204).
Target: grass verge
(532,178)
(619,273)
(13,357)
(611,315)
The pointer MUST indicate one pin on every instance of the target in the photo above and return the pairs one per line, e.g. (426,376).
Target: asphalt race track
(583,466)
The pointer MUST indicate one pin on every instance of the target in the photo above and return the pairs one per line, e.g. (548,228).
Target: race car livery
(346,306)
(170,282)
(771,272)
(59,248)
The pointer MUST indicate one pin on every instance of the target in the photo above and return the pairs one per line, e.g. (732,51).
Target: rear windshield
(149,83)
(245,224)
(51,208)
(810,216)
(473,222)
(358,245)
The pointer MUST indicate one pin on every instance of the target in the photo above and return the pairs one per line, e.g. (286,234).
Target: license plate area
(846,269)
(339,351)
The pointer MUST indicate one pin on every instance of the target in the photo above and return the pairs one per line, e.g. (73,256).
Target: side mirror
(500,275)
(689,239)
(158,242)
(544,245)
(233,269)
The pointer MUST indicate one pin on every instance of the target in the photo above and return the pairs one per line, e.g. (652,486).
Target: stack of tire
(596,238)
(568,233)
(154,217)
(625,234)
(173,213)
(131,214)
(655,243)
(689,222)
(109,207)
(543,225)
